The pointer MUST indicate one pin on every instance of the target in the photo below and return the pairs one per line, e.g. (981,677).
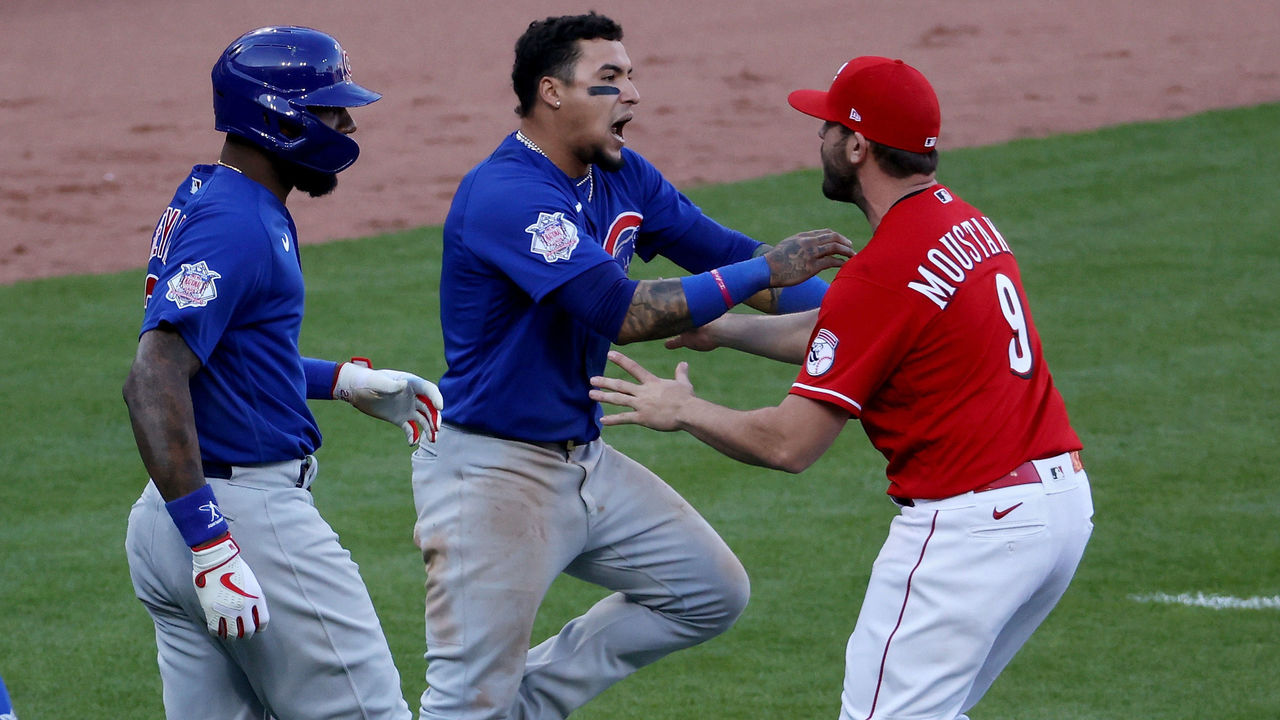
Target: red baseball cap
(886,100)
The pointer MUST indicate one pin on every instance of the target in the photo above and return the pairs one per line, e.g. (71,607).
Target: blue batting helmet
(264,83)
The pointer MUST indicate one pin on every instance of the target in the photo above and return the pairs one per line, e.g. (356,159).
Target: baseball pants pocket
(1008,516)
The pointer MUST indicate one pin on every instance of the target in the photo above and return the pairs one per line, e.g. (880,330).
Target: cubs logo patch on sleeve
(193,286)
(554,236)
(822,353)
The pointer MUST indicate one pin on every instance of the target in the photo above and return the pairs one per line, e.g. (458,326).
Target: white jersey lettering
(169,221)
(1004,246)
(954,257)
(953,246)
(943,262)
(974,250)
(933,287)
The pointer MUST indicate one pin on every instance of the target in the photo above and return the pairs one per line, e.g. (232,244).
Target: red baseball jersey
(926,337)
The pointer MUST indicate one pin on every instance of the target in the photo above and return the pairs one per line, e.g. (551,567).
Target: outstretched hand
(805,254)
(655,402)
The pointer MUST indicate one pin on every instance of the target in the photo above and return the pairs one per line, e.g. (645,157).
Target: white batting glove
(234,606)
(400,398)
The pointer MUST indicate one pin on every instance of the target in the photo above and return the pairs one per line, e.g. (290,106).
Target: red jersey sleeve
(862,333)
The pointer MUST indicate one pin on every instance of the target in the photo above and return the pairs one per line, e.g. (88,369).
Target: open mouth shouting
(616,129)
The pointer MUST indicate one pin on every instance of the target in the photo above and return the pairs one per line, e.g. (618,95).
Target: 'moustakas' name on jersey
(224,271)
(518,230)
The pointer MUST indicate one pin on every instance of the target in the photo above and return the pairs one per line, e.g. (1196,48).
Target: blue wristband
(198,516)
(710,294)
(805,296)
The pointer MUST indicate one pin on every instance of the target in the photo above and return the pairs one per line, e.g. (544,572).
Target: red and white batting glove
(234,606)
(400,398)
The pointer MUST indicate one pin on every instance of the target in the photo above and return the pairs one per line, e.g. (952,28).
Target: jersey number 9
(1020,359)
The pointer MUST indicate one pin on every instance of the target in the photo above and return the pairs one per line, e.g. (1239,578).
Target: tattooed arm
(661,308)
(658,310)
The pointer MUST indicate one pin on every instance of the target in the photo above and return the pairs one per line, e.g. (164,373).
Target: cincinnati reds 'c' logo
(621,240)
(822,353)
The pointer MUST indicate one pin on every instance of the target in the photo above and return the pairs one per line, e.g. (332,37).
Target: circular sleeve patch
(822,353)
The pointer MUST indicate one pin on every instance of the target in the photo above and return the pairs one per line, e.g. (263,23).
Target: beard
(316,184)
(603,160)
(840,179)
(841,184)
(311,182)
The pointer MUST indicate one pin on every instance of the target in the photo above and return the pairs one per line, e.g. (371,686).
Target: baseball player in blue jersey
(520,487)
(258,609)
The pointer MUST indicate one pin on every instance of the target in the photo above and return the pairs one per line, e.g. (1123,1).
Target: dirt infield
(104,106)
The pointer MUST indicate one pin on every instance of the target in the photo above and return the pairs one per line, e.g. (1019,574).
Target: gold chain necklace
(590,178)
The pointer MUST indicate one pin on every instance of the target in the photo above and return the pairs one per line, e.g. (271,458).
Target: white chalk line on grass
(1213,602)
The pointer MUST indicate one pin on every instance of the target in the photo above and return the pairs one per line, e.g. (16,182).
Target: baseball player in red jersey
(925,337)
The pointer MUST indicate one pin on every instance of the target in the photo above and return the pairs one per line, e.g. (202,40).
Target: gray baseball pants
(499,520)
(322,655)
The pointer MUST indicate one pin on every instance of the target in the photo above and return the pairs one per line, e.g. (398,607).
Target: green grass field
(1149,254)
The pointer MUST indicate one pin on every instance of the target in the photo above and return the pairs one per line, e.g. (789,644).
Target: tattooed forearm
(658,310)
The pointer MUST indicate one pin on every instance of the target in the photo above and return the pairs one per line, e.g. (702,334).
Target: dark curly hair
(549,47)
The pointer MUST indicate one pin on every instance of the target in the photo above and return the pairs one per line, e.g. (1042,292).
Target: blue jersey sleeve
(539,242)
(321,376)
(206,278)
(599,298)
(677,229)
(707,244)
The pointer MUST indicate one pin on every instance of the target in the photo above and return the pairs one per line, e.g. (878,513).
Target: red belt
(1024,474)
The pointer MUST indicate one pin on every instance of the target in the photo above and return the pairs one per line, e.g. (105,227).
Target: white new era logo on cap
(854,116)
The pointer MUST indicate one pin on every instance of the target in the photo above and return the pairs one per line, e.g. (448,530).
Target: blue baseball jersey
(519,363)
(225,273)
